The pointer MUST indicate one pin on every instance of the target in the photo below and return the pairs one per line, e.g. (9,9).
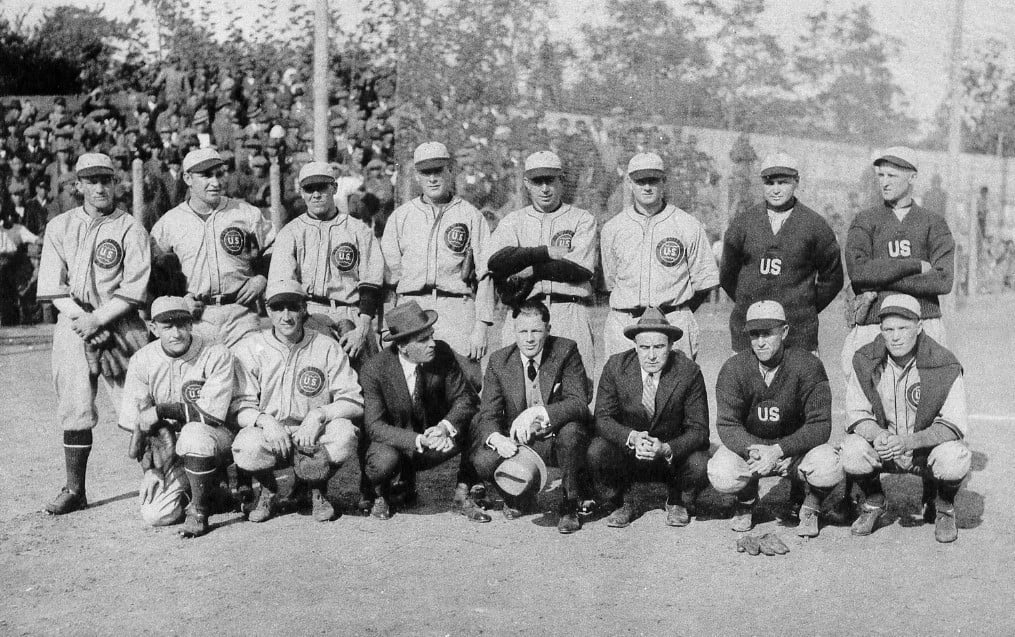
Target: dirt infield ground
(429,572)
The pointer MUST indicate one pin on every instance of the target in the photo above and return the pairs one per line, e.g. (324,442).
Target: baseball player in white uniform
(94,268)
(336,260)
(184,382)
(655,255)
(554,244)
(219,242)
(297,390)
(435,253)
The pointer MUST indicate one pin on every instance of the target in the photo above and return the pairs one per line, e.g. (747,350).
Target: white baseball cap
(316,172)
(92,164)
(431,155)
(202,159)
(900,156)
(169,308)
(781,164)
(543,163)
(900,305)
(764,315)
(645,165)
(284,290)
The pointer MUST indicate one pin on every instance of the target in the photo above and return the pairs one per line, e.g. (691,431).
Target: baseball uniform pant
(860,335)
(820,467)
(456,318)
(570,320)
(566,450)
(228,324)
(325,318)
(616,342)
(615,468)
(75,385)
(198,439)
(383,462)
(948,462)
(251,451)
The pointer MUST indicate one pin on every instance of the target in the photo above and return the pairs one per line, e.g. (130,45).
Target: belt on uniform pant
(323,300)
(217,299)
(636,312)
(432,291)
(553,297)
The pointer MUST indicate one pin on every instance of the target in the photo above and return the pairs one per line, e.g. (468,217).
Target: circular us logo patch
(310,381)
(233,240)
(670,251)
(191,391)
(562,239)
(108,254)
(344,257)
(456,237)
(913,396)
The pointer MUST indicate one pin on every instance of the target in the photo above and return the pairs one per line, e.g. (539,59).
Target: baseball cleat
(808,525)
(867,521)
(67,502)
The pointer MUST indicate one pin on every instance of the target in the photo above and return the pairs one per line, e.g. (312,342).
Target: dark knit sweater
(883,255)
(800,267)
(795,411)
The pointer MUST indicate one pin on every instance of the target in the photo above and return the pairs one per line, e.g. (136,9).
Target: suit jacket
(562,385)
(388,400)
(681,411)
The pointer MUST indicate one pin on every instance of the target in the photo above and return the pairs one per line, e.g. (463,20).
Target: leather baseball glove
(857,308)
(769,544)
(514,289)
(312,463)
(155,449)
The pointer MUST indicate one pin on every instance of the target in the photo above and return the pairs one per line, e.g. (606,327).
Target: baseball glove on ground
(312,463)
(769,544)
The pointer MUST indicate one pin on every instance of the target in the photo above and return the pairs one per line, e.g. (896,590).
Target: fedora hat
(653,321)
(408,319)
(521,472)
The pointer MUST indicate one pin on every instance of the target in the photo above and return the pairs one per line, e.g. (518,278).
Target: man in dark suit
(651,423)
(535,392)
(418,407)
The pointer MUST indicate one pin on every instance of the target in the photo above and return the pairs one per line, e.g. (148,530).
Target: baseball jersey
(202,379)
(883,254)
(444,249)
(569,227)
(794,411)
(287,382)
(657,260)
(799,266)
(94,260)
(332,258)
(217,254)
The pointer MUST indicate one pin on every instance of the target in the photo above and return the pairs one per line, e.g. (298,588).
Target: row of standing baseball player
(96,264)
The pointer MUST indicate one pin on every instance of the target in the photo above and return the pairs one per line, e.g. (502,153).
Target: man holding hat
(775,418)
(550,247)
(181,383)
(418,409)
(906,413)
(651,423)
(94,268)
(435,252)
(897,247)
(220,244)
(783,251)
(535,393)
(655,255)
(297,395)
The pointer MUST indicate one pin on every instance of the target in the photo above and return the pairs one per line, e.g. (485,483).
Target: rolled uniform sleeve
(345,393)
(951,422)
(217,391)
(137,266)
(860,417)
(54,280)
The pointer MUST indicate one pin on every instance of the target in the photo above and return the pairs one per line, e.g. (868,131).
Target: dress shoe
(569,521)
(743,517)
(264,509)
(677,515)
(67,502)
(381,509)
(323,511)
(621,516)
(473,512)
(867,521)
(808,525)
(195,525)
(945,528)
(929,512)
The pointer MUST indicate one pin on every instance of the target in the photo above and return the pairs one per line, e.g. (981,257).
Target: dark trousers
(615,468)
(566,450)
(384,461)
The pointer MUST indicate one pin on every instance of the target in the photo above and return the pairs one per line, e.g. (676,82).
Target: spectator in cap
(551,249)
(435,251)
(906,413)
(774,419)
(781,250)
(655,255)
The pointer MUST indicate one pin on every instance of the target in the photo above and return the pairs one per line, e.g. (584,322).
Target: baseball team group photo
(361,341)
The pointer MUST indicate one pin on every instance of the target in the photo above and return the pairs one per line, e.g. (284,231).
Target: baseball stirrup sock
(76,447)
(201,472)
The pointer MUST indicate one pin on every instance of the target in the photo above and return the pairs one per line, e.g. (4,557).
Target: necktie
(417,399)
(531,372)
(648,395)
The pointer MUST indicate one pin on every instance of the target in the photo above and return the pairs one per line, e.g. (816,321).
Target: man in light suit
(535,392)
(418,407)
(651,423)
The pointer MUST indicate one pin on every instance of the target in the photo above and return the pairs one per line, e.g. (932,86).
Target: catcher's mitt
(857,308)
(155,449)
(312,463)
(769,544)
(514,289)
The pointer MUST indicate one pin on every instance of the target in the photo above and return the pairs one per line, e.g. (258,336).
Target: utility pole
(321,80)
(956,201)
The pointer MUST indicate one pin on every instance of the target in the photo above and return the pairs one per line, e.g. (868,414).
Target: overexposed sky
(923,28)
